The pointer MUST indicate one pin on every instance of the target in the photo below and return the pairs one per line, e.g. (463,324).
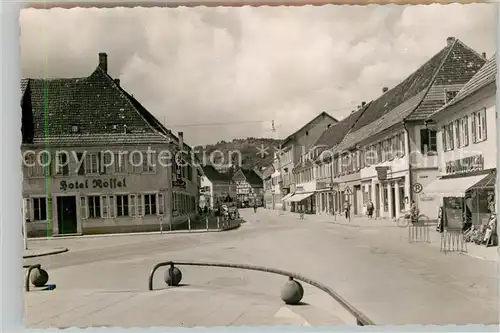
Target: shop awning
(300,196)
(487,183)
(286,197)
(452,187)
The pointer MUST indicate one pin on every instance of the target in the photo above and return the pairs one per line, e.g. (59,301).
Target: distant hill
(249,149)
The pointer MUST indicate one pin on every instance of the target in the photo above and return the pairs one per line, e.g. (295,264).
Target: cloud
(225,65)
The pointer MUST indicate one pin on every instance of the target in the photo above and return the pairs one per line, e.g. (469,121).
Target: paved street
(103,281)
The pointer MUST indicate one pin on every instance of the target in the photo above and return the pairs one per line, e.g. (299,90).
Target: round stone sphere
(39,277)
(292,292)
(176,275)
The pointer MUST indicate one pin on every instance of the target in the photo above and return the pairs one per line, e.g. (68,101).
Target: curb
(45,253)
(199,231)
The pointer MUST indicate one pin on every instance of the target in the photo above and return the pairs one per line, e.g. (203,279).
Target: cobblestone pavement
(372,267)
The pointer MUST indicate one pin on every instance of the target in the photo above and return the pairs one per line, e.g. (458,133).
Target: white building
(216,188)
(296,166)
(466,140)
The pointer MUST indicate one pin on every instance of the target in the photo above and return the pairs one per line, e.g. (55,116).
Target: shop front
(467,199)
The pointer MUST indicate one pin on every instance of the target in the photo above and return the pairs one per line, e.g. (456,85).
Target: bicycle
(404,220)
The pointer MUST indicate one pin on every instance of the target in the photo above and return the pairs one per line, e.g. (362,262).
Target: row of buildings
(429,139)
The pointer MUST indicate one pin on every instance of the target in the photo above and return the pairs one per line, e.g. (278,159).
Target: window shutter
(474,134)
(27,209)
(84,212)
(112,206)
(466,130)
(140,205)
(104,207)
(132,205)
(483,121)
(160,199)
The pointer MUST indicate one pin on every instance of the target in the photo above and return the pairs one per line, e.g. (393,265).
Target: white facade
(467,137)
(206,193)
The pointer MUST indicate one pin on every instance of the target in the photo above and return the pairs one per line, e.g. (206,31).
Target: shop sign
(109,183)
(466,164)
(382,172)
(321,185)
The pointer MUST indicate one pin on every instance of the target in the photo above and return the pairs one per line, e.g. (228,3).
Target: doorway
(394,203)
(377,200)
(66,215)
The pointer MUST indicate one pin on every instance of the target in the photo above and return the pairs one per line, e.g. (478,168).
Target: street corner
(33,253)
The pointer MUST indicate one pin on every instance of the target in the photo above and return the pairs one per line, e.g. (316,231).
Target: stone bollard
(39,277)
(173,276)
(292,292)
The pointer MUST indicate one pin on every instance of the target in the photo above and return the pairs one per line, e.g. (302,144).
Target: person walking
(255,207)
(414,212)
(370,208)
(347,210)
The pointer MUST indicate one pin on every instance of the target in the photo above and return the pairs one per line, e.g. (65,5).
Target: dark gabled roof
(485,76)
(213,175)
(100,108)
(322,114)
(252,178)
(460,65)
(334,135)
(407,98)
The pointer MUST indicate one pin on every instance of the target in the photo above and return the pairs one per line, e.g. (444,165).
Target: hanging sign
(382,172)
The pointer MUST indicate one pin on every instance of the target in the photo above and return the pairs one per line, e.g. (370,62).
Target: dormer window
(450,94)
(328,126)
(75,128)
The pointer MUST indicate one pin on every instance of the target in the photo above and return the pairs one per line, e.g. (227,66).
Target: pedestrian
(347,210)
(370,209)
(414,212)
(255,207)
(301,213)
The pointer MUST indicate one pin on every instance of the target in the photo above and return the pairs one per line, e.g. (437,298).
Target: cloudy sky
(221,73)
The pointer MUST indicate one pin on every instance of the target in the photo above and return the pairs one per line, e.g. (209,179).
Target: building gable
(83,110)
(460,65)
(239,176)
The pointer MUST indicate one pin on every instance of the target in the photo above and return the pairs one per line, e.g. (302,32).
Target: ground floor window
(94,204)
(122,205)
(36,209)
(112,206)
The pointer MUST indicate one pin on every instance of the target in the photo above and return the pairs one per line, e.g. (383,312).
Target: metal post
(218,222)
(189,223)
(206,220)
(161,225)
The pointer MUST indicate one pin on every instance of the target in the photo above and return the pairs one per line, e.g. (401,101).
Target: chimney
(103,61)
(385,89)
(117,81)
(181,140)
(484,55)
(363,104)
(450,40)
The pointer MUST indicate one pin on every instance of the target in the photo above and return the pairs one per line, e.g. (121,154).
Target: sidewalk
(473,250)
